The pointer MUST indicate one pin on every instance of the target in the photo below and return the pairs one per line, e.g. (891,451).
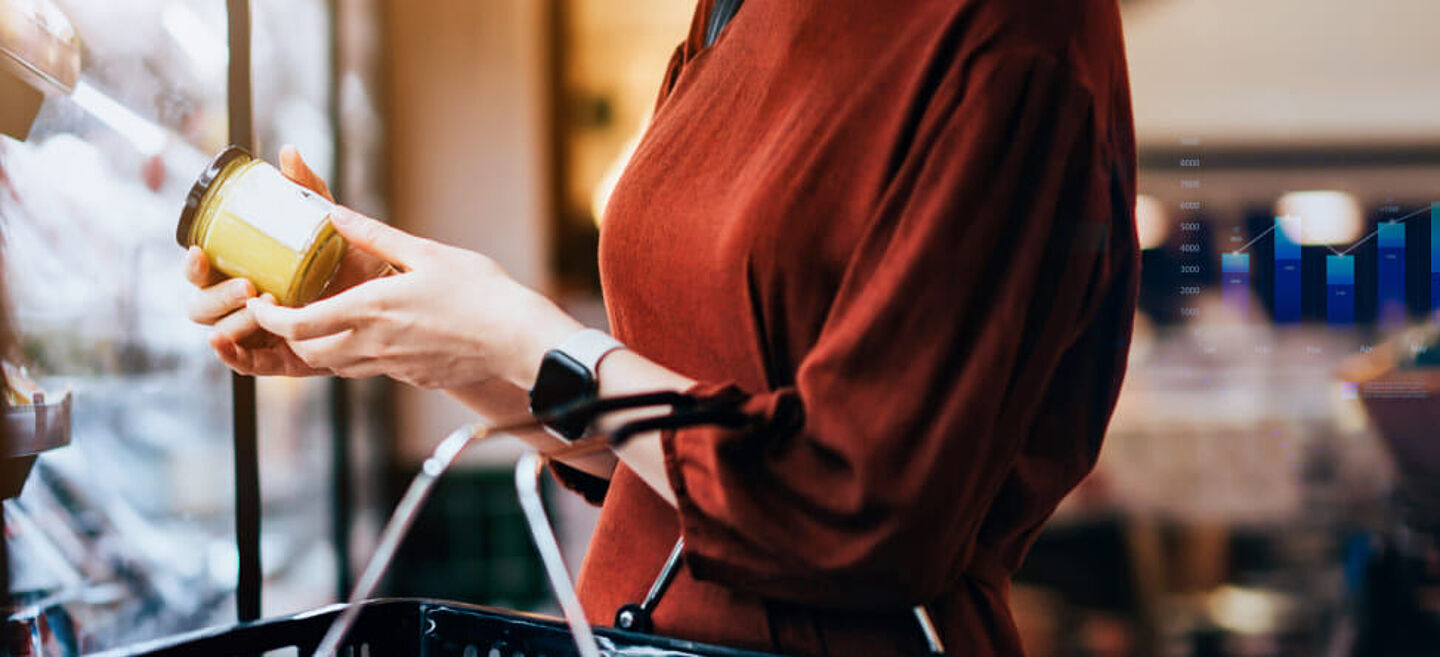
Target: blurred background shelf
(37,427)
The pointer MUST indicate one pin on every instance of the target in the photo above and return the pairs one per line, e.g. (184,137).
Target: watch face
(562,381)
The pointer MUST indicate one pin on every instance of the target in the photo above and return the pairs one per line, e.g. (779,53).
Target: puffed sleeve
(866,481)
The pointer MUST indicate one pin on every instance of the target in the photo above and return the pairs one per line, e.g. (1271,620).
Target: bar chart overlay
(1292,268)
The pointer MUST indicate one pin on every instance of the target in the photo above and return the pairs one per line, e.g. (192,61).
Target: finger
(381,240)
(295,168)
(260,339)
(198,270)
(263,361)
(213,303)
(267,361)
(231,355)
(333,352)
(241,328)
(325,317)
(278,360)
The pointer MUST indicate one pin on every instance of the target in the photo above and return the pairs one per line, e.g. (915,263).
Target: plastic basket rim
(422,605)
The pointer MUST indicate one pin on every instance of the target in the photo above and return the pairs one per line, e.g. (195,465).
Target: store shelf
(30,430)
(37,427)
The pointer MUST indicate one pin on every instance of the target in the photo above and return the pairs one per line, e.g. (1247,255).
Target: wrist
(568,376)
(545,329)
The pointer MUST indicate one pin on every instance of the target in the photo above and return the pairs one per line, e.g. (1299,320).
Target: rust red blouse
(903,229)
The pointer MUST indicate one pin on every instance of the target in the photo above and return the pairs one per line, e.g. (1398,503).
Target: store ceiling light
(1152,222)
(1320,217)
(1247,611)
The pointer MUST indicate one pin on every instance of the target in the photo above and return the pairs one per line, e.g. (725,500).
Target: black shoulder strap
(720,14)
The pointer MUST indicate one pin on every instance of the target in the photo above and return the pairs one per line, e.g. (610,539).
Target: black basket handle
(685,411)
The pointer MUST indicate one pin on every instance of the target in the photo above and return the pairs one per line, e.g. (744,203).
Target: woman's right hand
(219,302)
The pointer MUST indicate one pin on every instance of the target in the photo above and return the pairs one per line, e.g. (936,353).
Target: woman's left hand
(450,318)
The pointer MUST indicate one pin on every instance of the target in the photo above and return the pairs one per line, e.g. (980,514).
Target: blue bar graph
(1340,289)
(1235,283)
(1390,274)
(1287,271)
(1435,256)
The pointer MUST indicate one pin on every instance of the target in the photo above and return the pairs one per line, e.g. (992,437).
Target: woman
(898,233)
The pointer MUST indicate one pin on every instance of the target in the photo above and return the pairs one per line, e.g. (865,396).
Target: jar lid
(201,186)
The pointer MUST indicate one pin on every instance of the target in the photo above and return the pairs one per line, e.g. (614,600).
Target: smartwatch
(567,376)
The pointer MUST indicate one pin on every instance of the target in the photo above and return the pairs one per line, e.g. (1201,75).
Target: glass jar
(254,223)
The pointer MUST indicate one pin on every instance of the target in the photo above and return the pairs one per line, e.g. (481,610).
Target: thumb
(295,168)
(379,239)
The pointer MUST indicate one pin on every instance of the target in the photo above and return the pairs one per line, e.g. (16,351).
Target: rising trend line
(1348,249)
(1272,229)
(1377,230)
(1269,230)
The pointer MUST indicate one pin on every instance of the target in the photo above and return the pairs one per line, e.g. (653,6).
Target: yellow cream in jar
(254,223)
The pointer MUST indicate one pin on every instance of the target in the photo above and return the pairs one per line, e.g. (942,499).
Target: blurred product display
(1217,518)
(127,535)
(1394,572)
(107,535)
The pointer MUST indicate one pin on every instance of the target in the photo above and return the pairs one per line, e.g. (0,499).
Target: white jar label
(284,210)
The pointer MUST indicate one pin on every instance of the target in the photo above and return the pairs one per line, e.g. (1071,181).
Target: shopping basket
(426,628)
(417,628)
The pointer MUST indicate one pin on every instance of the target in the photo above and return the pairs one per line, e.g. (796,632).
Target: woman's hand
(453,319)
(220,302)
(450,318)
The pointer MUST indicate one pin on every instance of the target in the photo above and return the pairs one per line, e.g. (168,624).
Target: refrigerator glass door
(128,534)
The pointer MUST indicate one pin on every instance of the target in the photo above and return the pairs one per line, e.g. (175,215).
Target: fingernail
(340,218)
